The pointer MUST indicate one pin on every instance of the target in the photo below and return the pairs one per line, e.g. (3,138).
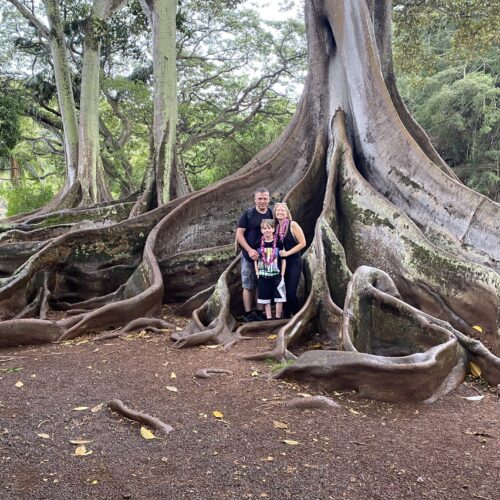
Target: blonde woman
(292,237)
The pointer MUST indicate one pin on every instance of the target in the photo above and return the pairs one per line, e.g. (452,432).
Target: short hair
(268,222)
(261,190)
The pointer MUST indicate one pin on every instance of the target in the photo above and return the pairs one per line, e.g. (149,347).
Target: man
(247,235)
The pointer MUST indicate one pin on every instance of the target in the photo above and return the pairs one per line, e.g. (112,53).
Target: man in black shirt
(247,236)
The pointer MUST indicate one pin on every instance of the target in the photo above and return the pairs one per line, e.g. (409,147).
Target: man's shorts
(248,277)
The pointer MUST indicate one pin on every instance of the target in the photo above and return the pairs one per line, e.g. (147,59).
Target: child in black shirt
(270,270)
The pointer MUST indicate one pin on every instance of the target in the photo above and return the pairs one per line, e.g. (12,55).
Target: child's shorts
(267,290)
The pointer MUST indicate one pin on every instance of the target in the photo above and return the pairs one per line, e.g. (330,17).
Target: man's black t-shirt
(250,221)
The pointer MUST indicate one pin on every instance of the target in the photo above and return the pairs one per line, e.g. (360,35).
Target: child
(270,270)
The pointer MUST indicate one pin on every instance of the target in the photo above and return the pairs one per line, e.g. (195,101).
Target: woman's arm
(298,234)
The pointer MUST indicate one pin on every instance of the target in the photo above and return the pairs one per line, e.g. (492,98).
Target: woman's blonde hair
(288,214)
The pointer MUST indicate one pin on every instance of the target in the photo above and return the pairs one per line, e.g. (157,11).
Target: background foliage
(239,79)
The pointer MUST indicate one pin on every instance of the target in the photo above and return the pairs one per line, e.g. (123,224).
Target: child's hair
(268,222)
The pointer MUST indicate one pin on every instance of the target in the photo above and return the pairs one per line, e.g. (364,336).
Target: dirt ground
(259,448)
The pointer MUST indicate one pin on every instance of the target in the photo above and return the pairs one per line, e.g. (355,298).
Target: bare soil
(258,448)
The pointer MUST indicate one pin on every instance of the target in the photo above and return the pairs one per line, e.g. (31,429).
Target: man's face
(262,201)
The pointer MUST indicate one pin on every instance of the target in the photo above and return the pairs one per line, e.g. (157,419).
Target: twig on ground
(13,358)
(143,418)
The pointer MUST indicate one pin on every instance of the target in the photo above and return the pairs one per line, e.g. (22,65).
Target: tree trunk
(64,86)
(402,265)
(160,180)
(88,151)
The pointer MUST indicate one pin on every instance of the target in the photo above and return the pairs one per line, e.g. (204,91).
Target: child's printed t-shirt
(272,256)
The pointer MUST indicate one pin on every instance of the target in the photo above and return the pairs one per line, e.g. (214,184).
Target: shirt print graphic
(268,269)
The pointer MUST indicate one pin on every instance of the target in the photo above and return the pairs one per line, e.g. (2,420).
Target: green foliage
(218,157)
(26,197)
(432,34)
(446,55)
(461,114)
(10,130)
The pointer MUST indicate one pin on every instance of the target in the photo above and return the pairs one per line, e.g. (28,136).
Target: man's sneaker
(248,317)
(260,316)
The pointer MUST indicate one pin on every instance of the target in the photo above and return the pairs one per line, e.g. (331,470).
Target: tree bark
(64,86)
(93,190)
(162,17)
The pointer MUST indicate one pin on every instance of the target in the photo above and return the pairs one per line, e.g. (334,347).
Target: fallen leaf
(147,434)
(173,375)
(94,481)
(291,442)
(354,412)
(178,329)
(272,337)
(279,425)
(19,384)
(96,408)
(212,346)
(43,436)
(473,398)
(475,370)
(218,414)
(171,388)
(81,451)
(80,408)
(303,395)
(80,441)
(478,328)
(80,342)
(255,373)
(315,346)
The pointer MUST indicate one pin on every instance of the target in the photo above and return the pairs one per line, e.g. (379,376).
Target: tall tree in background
(160,179)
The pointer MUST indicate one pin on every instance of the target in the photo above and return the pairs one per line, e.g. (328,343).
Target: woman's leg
(292,278)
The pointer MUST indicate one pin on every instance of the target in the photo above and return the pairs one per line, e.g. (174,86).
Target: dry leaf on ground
(147,434)
(279,425)
(81,451)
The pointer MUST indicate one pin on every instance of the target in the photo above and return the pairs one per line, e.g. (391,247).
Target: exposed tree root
(313,402)
(210,372)
(143,418)
(147,323)
(107,336)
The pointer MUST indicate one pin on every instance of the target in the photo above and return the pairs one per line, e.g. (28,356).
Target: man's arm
(256,265)
(240,238)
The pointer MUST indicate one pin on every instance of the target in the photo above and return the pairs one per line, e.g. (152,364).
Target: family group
(271,264)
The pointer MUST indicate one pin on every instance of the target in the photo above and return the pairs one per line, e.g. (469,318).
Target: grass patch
(15,369)
(276,366)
